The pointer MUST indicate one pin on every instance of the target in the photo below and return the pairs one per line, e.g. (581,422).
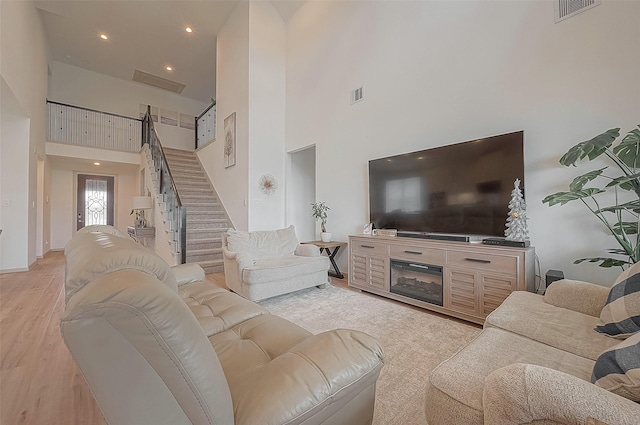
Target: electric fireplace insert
(418,281)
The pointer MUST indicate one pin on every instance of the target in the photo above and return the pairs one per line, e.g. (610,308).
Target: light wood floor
(39,381)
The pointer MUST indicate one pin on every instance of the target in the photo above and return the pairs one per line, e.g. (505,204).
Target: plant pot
(325,236)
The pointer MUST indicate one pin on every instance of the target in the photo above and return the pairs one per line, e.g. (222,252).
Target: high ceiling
(144,35)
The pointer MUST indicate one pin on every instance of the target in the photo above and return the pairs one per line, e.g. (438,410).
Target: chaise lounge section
(160,345)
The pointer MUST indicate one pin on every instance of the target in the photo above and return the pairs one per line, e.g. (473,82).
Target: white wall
(251,82)
(14,196)
(80,87)
(267,114)
(232,89)
(442,72)
(23,71)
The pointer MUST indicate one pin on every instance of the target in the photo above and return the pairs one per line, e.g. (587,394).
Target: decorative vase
(325,236)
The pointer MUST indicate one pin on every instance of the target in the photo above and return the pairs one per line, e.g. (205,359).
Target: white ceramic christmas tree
(517,220)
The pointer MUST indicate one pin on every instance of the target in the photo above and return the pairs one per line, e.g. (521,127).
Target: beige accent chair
(161,346)
(532,363)
(264,264)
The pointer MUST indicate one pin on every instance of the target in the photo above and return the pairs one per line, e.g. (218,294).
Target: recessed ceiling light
(96,163)
(189,29)
(168,68)
(104,36)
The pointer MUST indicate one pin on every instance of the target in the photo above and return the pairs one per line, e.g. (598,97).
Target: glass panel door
(95,200)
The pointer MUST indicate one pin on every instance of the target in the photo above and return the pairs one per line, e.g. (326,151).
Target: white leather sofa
(264,264)
(161,346)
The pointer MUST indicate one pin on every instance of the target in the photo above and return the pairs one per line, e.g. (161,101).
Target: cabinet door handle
(413,252)
(477,260)
(367,246)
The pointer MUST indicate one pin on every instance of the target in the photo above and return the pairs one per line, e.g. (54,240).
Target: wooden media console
(475,278)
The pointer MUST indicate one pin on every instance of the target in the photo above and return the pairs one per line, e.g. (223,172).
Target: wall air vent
(159,82)
(357,95)
(567,8)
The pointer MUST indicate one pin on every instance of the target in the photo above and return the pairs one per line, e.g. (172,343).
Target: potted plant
(622,180)
(319,212)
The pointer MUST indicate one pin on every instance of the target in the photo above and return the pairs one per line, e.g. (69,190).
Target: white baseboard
(18,270)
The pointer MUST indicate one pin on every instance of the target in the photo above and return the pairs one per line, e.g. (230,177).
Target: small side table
(327,246)
(140,234)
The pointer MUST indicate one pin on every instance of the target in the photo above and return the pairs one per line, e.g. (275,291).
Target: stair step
(190,175)
(189,199)
(178,152)
(198,255)
(214,266)
(195,185)
(205,215)
(202,206)
(211,243)
(195,234)
(183,162)
(216,223)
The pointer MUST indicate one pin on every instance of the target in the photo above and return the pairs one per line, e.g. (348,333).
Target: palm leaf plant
(619,181)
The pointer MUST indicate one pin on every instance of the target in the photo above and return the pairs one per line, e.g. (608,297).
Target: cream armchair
(264,264)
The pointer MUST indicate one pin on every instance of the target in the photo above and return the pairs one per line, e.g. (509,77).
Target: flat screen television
(460,189)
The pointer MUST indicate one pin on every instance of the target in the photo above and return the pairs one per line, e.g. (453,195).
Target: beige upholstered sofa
(533,363)
(159,345)
(264,264)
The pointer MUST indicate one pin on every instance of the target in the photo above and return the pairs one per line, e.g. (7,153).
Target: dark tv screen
(464,188)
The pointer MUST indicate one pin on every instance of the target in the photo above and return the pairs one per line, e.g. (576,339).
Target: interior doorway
(301,192)
(95,200)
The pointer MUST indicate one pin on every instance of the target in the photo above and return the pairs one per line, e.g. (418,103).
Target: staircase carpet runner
(206,219)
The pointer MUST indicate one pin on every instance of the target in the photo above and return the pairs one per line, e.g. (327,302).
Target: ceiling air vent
(159,82)
(567,8)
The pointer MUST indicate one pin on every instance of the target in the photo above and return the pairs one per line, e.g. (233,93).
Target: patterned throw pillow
(617,369)
(621,313)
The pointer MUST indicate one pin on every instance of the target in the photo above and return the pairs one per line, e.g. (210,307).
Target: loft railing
(87,127)
(206,126)
(177,213)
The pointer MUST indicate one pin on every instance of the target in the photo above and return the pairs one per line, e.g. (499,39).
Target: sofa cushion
(217,309)
(271,269)
(618,369)
(93,254)
(456,386)
(621,314)
(527,314)
(261,244)
(299,374)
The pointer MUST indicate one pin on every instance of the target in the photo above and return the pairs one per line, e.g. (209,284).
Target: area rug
(414,341)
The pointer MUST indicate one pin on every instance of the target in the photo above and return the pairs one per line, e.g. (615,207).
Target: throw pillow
(617,369)
(621,313)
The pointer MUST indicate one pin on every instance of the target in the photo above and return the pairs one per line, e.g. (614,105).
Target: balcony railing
(177,213)
(87,127)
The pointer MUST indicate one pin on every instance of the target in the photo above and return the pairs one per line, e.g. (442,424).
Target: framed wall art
(230,141)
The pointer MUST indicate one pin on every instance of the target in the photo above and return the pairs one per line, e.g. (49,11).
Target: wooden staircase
(206,218)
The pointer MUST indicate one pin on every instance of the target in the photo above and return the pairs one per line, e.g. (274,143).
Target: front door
(95,200)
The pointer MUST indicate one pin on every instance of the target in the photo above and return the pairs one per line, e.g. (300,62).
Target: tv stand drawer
(482,261)
(369,248)
(417,253)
